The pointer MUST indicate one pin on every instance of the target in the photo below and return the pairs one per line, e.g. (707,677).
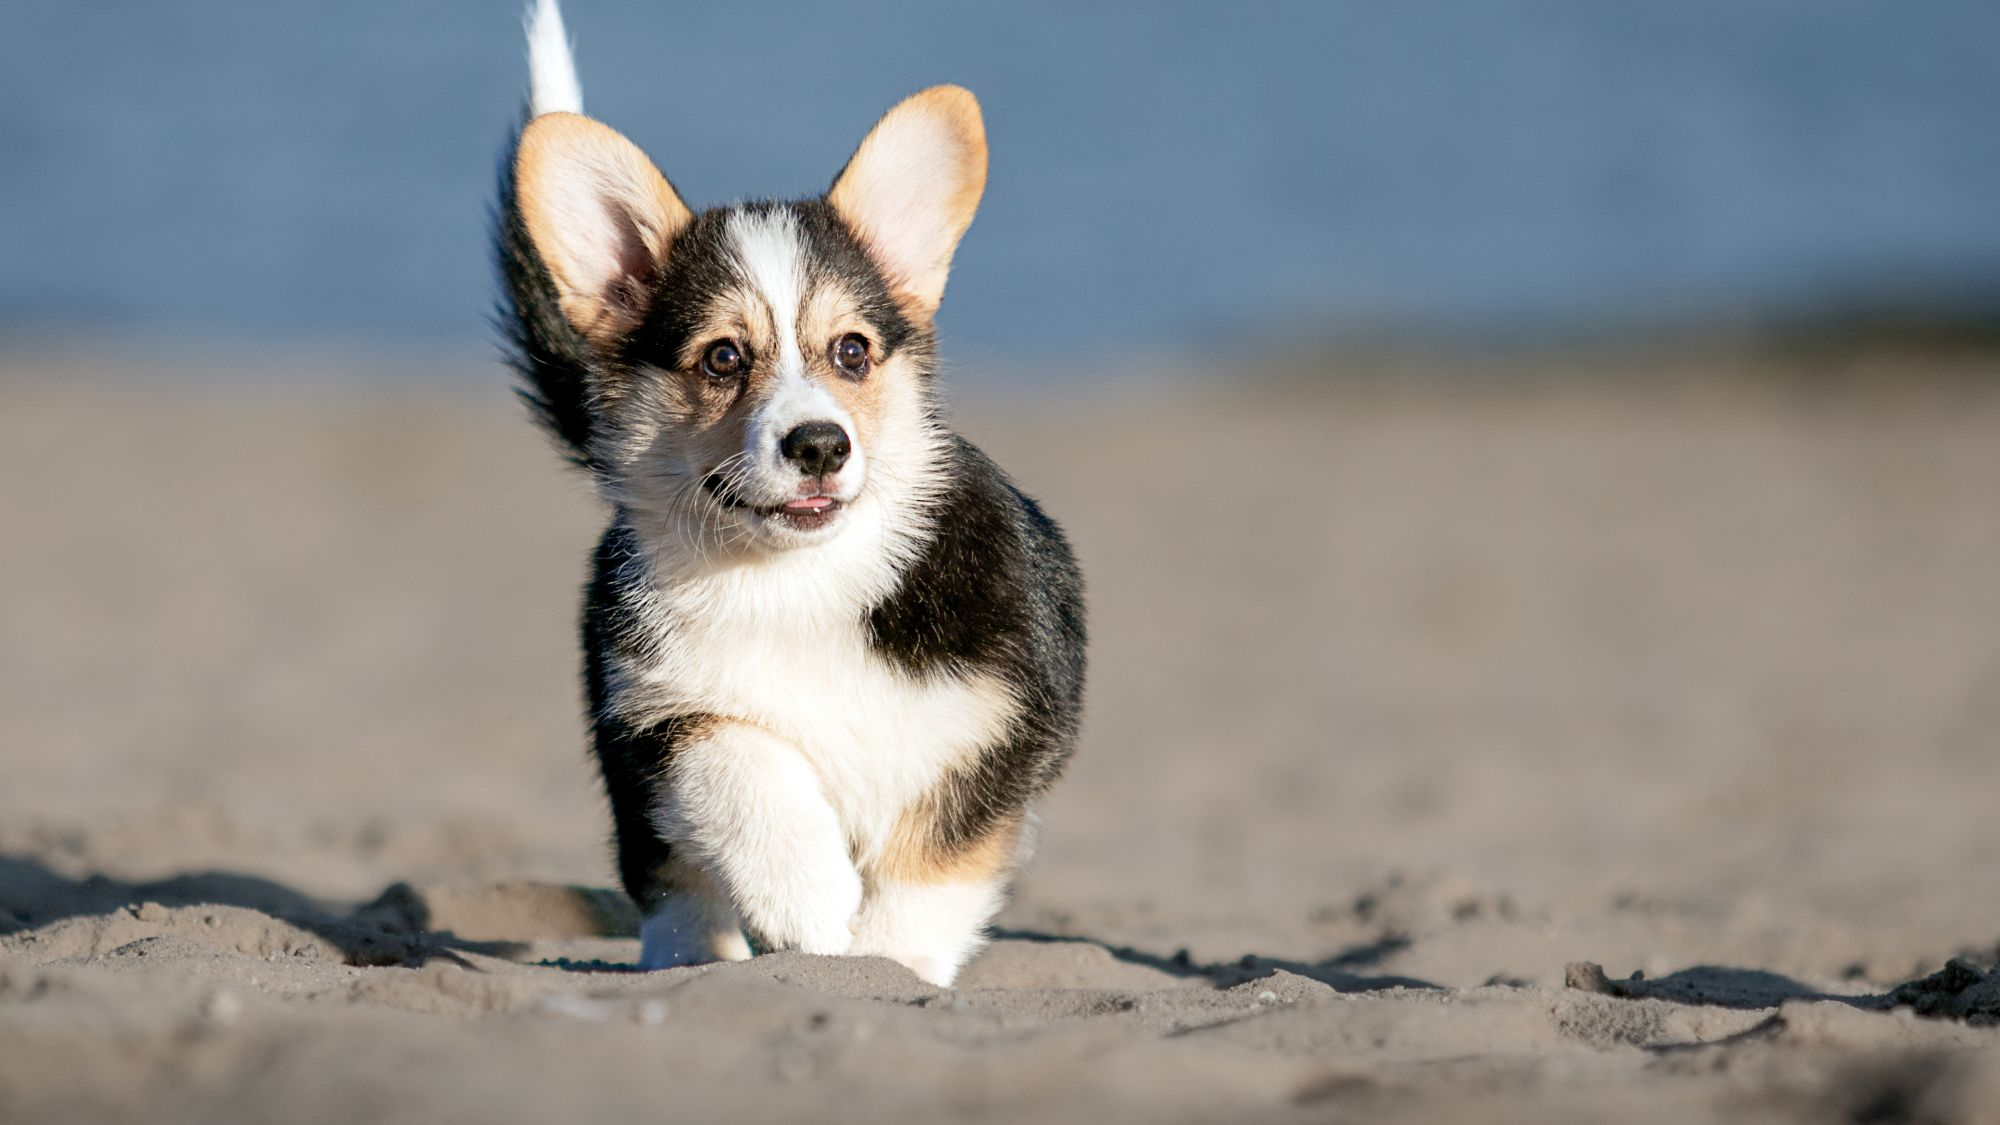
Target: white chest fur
(782,644)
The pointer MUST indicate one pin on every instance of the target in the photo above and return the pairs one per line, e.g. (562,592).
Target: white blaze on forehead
(771,254)
(769,251)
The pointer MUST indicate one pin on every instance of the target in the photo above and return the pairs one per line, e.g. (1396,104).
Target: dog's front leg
(745,806)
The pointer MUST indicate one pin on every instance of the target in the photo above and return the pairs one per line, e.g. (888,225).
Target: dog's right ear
(601,217)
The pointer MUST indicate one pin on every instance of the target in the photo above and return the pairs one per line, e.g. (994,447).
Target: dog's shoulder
(613,625)
(993,585)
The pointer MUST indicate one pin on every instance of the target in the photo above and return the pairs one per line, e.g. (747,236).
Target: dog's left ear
(910,190)
(601,217)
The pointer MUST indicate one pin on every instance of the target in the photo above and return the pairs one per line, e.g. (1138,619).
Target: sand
(1424,714)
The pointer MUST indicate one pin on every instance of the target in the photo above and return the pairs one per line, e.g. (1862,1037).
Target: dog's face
(761,372)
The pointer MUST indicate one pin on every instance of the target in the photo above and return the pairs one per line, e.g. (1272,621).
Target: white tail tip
(552,84)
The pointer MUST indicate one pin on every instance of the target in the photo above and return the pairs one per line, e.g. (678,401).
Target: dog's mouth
(803,513)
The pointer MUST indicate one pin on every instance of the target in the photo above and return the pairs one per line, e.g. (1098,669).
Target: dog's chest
(879,737)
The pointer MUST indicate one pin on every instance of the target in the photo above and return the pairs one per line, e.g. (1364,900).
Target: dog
(832,655)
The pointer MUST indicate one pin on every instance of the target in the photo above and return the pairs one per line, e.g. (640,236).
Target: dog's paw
(813,915)
(686,931)
(932,970)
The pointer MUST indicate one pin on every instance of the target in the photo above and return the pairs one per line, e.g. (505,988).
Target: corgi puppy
(832,655)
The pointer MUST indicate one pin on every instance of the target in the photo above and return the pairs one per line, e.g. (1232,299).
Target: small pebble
(1586,976)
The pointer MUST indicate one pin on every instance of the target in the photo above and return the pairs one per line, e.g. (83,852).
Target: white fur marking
(767,246)
(770,250)
(782,643)
(748,809)
(552,82)
(934,930)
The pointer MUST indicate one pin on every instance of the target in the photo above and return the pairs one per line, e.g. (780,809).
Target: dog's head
(757,375)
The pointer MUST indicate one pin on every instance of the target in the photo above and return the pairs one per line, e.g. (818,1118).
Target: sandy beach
(1489,747)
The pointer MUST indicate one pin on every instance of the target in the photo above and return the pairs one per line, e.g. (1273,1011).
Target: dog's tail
(552,84)
(540,343)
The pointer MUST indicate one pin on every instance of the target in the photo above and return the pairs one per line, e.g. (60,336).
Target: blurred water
(1168,177)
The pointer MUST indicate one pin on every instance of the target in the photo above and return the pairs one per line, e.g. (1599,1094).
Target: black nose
(818,448)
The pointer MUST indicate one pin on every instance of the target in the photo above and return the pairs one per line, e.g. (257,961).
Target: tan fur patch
(831,312)
(913,853)
(695,728)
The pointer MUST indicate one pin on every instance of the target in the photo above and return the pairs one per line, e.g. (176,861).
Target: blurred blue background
(1170,179)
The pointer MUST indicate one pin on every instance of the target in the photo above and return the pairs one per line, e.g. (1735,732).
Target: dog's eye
(850,353)
(723,360)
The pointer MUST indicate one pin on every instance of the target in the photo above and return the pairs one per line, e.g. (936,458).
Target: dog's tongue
(809,504)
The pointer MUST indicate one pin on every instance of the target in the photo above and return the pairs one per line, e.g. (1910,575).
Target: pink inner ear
(912,187)
(596,243)
(633,268)
(903,194)
(600,215)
